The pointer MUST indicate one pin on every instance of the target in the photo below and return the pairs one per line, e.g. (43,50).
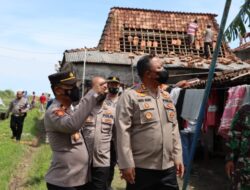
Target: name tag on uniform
(107,121)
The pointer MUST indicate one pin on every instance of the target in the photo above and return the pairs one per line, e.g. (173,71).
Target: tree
(238,25)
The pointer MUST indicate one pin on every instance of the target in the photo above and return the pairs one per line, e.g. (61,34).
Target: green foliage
(238,25)
(7,94)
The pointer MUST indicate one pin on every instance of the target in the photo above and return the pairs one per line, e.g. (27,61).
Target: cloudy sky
(35,33)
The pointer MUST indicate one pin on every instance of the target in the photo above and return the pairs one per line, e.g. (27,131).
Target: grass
(40,165)
(12,152)
(38,169)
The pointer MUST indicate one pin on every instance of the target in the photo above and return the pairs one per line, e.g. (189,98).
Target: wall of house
(124,72)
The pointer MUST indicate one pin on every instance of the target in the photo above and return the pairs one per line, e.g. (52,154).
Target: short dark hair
(208,26)
(143,64)
(196,21)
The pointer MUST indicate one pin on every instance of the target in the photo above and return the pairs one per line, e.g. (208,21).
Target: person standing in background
(208,41)
(18,107)
(191,32)
(33,100)
(43,101)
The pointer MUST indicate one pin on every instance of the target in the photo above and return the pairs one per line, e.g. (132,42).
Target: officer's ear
(147,74)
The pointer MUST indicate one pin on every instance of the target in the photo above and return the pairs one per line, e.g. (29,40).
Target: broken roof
(163,32)
(244,46)
(226,79)
(129,30)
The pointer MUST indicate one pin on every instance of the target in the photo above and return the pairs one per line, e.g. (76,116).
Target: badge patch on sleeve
(59,112)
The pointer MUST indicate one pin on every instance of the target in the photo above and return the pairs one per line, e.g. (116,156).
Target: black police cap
(113,79)
(67,78)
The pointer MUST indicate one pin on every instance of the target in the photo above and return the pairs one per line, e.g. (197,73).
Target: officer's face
(156,67)
(19,95)
(60,89)
(113,85)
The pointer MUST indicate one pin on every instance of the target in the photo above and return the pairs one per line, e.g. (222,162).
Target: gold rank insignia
(148,115)
(169,106)
(140,94)
(165,94)
(76,136)
(108,112)
(146,106)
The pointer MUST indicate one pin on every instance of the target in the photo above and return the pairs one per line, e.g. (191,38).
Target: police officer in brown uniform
(69,166)
(149,146)
(19,108)
(113,96)
(98,132)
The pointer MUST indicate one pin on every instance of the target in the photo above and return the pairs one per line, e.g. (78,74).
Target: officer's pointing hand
(129,175)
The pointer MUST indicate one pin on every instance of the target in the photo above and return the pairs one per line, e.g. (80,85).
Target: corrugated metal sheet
(123,59)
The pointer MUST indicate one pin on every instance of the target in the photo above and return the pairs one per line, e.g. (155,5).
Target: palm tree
(238,25)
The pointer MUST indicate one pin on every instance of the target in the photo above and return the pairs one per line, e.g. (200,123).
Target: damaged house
(130,33)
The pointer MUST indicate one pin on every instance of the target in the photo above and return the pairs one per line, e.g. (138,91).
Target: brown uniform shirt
(98,132)
(18,107)
(147,130)
(70,160)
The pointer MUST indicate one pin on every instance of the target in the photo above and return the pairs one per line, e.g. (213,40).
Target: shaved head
(19,94)
(99,83)
(97,80)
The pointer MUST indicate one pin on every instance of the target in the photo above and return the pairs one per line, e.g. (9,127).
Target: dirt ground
(208,175)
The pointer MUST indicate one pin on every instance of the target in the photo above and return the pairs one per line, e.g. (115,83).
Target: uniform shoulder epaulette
(165,94)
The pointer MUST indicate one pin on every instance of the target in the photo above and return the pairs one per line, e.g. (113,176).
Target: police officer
(98,132)
(18,107)
(69,166)
(114,86)
(149,146)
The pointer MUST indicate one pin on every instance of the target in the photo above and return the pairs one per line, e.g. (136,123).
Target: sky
(35,33)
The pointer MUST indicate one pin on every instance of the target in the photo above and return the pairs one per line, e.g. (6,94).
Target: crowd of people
(136,129)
